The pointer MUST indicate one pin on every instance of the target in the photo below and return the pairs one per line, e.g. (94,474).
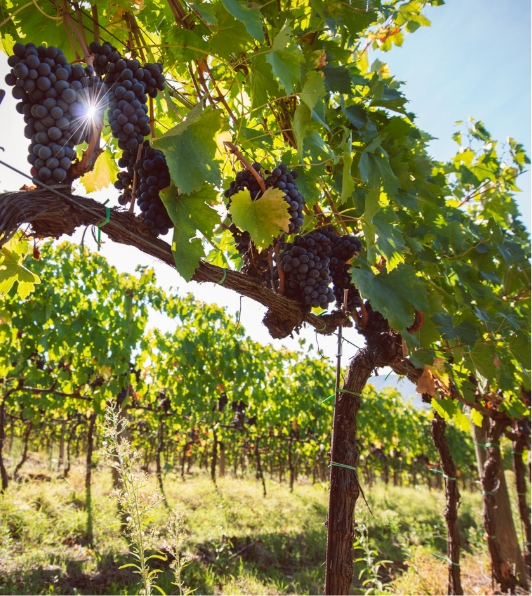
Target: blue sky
(473,61)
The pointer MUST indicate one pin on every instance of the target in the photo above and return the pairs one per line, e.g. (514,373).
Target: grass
(238,541)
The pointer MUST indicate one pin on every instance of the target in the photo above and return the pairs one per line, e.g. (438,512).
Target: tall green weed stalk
(136,503)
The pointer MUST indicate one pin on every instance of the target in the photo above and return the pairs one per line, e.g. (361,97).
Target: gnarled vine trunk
(452,498)
(519,446)
(3,471)
(25,442)
(344,489)
(507,563)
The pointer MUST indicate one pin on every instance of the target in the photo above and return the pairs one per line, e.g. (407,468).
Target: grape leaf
(191,149)
(395,294)
(302,118)
(102,175)
(313,89)
(263,218)
(249,16)
(12,268)
(262,82)
(464,331)
(285,59)
(189,213)
(193,209)
(348,184)
(337,78)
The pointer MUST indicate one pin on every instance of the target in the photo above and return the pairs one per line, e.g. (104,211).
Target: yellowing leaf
(103,174)
(263,218)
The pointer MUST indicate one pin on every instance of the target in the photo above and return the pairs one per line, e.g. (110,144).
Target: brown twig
(220,95)
(335,210)
(136,33)
(279,269)
(234,150)
(94,10)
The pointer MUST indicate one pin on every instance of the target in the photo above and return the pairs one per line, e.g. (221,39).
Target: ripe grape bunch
(129,86)
(343,249)
(279,178)
(58,102)
(153,177)
(305,263)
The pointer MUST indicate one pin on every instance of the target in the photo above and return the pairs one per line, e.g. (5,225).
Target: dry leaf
(425,383)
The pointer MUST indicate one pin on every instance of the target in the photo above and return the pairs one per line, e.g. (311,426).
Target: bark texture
(345,489)
(507,563)
(25,441)
(51,216)
(519,446)
(3,471)
(452,498)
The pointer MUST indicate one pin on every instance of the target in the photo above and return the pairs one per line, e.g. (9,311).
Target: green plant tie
(103,223)
(486,492)
(340,391)
(522,494)
(446,559)
(223,277)
(442,473)
(334,463)
(488,445)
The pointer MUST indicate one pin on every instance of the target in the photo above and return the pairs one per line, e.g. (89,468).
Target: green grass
(240,542)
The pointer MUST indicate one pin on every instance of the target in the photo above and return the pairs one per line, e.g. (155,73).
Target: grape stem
(152,119)
(135,181)
(281,272)
(90,155)
(364,317)
(234,150)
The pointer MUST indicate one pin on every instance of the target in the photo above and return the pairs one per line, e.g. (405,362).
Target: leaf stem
(234,150)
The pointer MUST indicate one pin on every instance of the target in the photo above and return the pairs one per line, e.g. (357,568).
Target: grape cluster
(153,176)
(305,263)
(57,101)
(376,324)
(343,248)
(279,178)
(129,86)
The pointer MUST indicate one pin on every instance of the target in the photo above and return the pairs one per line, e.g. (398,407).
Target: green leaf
(348,184)
(189,214)
(262,82)
(464,331)
(12,268)
(263,218)
(190,149)
(193,210)
(313,89)
(102,175)
(476,417)
(302,118)
(285,59)
(251,17)
(395,295)
(519,346)
(337,78)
